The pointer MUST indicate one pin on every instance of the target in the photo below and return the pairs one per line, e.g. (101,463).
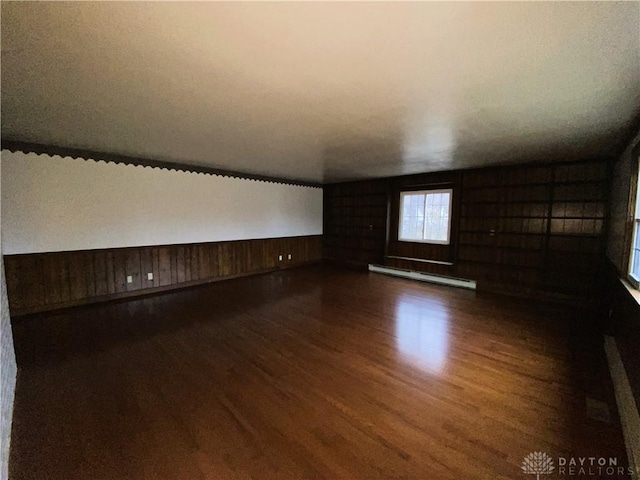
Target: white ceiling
(323,91)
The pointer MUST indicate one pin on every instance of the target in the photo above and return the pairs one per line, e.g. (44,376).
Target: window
(634,264)
(425,216)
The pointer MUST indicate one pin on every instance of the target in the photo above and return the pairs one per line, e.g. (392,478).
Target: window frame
(635,280)
(428,191)
(635,219)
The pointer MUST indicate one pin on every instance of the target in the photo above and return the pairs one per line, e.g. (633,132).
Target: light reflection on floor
(422,332)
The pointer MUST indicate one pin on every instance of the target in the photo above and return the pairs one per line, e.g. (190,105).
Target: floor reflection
(422,332)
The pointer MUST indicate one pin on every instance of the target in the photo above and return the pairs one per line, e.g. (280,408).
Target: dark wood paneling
(187,259)
(101,274)
(38,282)
(524,229)
(214,262)
(55,278)
(119,272)
(163,255)
(24,281)
(203,261)
(241,257)
(194,262)
(180,264)
(146,267)
(132,269)
(537,228)
(111,272)
(255,256)
(269,253)
(81,276)
(355,221)
(226,259)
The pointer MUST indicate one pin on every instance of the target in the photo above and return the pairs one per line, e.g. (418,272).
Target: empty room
(320,240)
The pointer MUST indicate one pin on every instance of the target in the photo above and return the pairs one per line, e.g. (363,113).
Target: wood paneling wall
(529,230)
(547,224)
(355,221)
(46,281)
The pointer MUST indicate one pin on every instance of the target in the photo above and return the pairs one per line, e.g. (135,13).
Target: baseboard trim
(627,408)
(424,277)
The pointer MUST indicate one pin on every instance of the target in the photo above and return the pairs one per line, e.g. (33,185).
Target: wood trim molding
(629,416)
(52,150)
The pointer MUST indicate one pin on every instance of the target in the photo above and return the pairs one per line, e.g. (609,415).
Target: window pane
(406,201)
(412,220)
(425,216)
(437,217)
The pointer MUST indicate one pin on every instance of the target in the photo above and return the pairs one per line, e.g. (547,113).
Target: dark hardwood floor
(310,373)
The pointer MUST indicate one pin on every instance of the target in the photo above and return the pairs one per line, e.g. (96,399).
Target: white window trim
(633,279)
(425,192)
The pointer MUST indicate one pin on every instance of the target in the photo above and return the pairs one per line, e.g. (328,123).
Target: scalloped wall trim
(55,203)
(52,150)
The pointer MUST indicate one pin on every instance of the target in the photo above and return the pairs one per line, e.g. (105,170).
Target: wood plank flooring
(310,373)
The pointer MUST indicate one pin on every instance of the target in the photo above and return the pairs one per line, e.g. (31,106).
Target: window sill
(430,242)
(635,293)
(422,260)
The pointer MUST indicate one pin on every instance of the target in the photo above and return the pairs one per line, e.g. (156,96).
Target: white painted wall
(56,204)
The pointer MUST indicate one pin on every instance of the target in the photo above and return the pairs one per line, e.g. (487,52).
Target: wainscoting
(47,281)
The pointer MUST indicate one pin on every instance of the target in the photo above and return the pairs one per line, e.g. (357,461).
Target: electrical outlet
(279,258)
(149,276)
(289,256)
(129,279)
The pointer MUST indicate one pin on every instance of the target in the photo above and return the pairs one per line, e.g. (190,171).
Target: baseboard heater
(424,277)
